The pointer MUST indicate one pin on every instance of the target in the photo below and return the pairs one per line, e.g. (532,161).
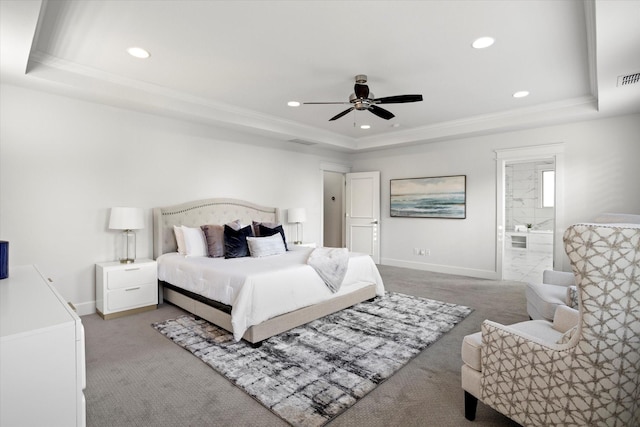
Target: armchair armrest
(565,318)
(520,371)
(540,332)
(559,278)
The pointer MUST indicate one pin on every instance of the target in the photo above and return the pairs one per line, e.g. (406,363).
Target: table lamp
(297,216)
(127,220)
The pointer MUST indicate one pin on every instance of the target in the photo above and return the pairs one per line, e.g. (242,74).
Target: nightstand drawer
(131,276)
(123,299)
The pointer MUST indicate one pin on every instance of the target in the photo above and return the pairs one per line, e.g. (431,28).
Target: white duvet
(261,288)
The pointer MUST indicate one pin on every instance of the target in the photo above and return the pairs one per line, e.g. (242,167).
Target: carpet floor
(313,373)
(137,377)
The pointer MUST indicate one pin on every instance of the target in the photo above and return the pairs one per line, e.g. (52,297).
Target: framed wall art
(435,197)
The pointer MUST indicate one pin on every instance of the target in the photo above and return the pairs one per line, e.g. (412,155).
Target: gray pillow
(215,239)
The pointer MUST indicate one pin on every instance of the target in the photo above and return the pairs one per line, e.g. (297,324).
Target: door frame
(553,152)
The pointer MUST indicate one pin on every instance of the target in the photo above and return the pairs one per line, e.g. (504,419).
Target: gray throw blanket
(331,265)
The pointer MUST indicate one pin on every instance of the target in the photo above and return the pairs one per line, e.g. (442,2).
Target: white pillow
(180,240)
(195,242)
(266,246)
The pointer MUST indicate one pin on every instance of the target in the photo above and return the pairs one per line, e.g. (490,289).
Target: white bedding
(261,288)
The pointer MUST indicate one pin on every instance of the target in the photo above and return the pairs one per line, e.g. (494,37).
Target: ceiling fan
(362,99)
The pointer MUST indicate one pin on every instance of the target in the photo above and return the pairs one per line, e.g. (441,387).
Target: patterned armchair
(589,375)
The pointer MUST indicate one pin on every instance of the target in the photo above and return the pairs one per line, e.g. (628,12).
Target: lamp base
(127,247)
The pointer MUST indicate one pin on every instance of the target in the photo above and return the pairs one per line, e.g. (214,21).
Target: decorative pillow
(236,225)
(265,246)
(266,230)
(182,250)
(572,296)
(235,242)
(214,234)
(256,227)
(194,241)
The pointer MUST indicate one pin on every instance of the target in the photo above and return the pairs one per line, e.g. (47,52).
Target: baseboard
(85,308)
(437,268)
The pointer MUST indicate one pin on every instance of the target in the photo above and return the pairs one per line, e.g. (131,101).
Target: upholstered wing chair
(543,298)
(558,287)
(589,375)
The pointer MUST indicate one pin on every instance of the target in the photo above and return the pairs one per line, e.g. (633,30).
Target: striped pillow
(266,246)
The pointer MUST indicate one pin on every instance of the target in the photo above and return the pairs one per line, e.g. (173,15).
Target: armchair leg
(470,406)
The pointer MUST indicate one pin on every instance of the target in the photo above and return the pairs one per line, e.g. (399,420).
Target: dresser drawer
(131,276)
(137,296)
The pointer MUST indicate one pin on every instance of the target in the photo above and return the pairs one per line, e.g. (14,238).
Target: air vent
(302,142)
(629,79)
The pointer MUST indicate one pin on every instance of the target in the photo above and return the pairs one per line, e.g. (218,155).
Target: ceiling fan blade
(361,91)
(307,103)
(336,117)
(381,112)
(398,99)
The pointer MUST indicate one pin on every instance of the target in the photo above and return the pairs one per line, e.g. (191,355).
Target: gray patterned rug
(311,374)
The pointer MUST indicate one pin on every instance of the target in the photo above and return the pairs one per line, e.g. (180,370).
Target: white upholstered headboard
(201,212)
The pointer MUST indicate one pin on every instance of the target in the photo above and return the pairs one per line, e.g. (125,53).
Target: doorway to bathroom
(530,205)
(529,214)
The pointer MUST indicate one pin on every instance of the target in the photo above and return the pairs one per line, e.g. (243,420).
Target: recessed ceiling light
(138,52)
(521,94)
(365,127)
(483,42)
(293,104)
(395,125)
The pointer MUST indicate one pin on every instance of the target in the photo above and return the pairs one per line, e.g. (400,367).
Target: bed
(253,298)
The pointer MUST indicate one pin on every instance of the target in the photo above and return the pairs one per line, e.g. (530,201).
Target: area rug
(311,374)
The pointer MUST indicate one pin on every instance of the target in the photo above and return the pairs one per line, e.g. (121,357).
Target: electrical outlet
(416,251)
(427,252)
(422,252)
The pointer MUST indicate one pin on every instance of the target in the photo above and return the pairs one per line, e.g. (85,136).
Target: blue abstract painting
(437,197)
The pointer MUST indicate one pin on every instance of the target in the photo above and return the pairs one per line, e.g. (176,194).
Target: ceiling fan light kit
(362,99)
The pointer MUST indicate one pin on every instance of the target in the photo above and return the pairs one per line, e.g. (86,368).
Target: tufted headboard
(201,212)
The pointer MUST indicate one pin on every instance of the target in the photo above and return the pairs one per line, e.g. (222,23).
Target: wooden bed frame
(222,211)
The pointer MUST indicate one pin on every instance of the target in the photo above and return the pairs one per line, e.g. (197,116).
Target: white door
(363,213)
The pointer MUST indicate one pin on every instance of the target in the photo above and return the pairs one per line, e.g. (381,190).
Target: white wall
(64,163)
(602,174)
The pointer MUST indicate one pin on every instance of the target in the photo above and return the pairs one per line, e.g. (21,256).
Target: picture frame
(430,197)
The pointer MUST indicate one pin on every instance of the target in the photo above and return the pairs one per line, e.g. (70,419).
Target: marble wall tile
(522,197)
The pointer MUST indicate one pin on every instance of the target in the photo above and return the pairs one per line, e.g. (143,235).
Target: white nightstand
(123,289)
(293,246)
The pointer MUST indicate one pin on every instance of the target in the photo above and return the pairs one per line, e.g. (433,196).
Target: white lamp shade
(297,215)
(126,218)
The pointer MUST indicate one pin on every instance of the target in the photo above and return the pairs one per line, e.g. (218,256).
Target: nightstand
(123,289)
(293,246)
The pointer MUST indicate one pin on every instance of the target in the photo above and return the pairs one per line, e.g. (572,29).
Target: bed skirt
(220,314)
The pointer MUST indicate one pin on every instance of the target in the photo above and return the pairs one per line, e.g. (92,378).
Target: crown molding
(521,118)
(129,93)
(107,88)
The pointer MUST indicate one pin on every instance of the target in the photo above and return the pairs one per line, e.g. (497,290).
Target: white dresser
(42,362)
(123,289)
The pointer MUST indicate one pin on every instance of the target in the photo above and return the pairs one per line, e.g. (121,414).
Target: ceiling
(236,64)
